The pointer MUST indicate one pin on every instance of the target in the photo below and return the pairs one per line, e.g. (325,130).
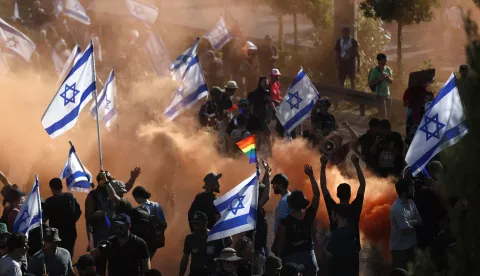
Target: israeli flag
(16,13)
(74,10)
(74,93)
(106,102)
(219,35)
(142,10)
(158,55)
(75,54)
(238,210)
(179,66)
(58,7)
(16,41)
(193,85)
(30,214)
(299,101)
(77,176)
(442,126)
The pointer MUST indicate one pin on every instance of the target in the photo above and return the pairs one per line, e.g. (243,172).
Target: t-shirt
(59,264)
(202,252)
(366,141)
(389,154)
(62,212)
(9,267)
(351,48)
(275,93)
(400,215)
(203,202)
(260,100)
(127,259)
(355,209)
(224,103)
(281,211)
(207,109)
(383,88)
(299,232)
(10,215)
(343,247)
(324,122)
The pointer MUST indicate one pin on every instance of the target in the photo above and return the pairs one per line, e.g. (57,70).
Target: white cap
(275,72)
(251,46)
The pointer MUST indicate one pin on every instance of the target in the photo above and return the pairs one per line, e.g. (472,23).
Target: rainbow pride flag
(247,145)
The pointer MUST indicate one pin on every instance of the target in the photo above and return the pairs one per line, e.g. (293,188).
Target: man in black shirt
(344,194)
(268,55)
(62,212)
(86,266)
(323,123)
(209,113)
(366,142)
(261,112)
(388,151)
(127,254)
(203,202)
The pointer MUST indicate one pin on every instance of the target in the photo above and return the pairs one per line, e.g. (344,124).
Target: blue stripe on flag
(74,176)
(449,135)
(304,111)
(447,89)
(233,223)
(186,101)
(110,115)
(297,79)
(80,62)
(73,114)
(224,205)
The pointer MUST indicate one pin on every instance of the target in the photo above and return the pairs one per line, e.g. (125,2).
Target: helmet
(231,85)
(275,72)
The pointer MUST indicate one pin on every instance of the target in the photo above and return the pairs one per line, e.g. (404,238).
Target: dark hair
(342,210)
(385,124)
(56,183)
(402,186)
(260,79)
(430,93)
(16,240)
(463,67)
(344,192)
(374,122)
(297,200)
(141,192)
(381,56)
(123,206)
(241,244)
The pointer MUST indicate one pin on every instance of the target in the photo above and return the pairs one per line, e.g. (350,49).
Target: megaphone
(327,147)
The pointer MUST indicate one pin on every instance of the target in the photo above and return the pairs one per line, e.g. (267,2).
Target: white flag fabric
(74,10)
(77,179)
(30,214)
(193,85)
(179,66)
(158,55)
(16,13)
(219,35)
(238,210)
(298,102)
(442,126)
(106,99)
(75,54)
(74,93)
(142,10)
(16,41)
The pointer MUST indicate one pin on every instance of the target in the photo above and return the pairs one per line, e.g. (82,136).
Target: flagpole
(79,162)
(257,186)
(44,265)
(96,111)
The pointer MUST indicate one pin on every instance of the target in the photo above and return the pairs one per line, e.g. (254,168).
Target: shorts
(346,68)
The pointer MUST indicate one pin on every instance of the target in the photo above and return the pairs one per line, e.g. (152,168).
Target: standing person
(275,93)
(366,141)
(126,253)
(414,100)
(209,114)
(58,261)
(201,251)
(227,263)
(13,197)
(244,248)
(86,266)
(10,264)
(273,265)
(404,217)
(250,68)
(4,235)
(268,55)
(464,71)
(323,122)
(280,187)
(261,109)
(379,79)
(388,151)
(203,202)
(62,211)
(347,53)
(294,236)
(344,193)
(214,70)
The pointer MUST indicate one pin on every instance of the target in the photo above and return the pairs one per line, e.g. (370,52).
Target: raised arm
(4,180)
(361,177)
(266,181)
(111,193)
(323,176)
(133,176)
(316,191)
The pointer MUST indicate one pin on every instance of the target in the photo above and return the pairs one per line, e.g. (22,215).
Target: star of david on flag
(106,99)
(142,10)
(30,214)
(302,96)
(16,41)
(77,179)
(238,210)
(442,126)
(72,96)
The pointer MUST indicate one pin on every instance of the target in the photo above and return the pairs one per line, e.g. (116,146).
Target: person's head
(228,260)
(251,49)
(4,235)
(140,194)
(212,183)
(374,125)
(340,213)
(268,39)
(215,93)
(243,106)
(119,188)
(291,269)
(429,96)
(263,83)
(50,239)
(280,184)
(463,71)
(344,192)
(398,272)
(17,245)
(385,127)
(153,272)
(56,185)
(435,168)
(324,104)
(244,248)
(297,201)
(199,221)
(275,74)
(86,265)
(16,196)
(231,87)
(273,264)
(382,59)
(346,32)
(103,177)
(121,225)
(405,188)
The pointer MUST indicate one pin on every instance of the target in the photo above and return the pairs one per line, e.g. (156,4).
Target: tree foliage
(317,11)
(405,12)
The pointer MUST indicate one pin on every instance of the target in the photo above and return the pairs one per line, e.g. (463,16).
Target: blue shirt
(281,211)
(155,209)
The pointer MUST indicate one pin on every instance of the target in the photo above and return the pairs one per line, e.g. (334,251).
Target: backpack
(372,87)
(151,229)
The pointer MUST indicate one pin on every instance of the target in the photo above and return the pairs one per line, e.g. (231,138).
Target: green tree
(404,12)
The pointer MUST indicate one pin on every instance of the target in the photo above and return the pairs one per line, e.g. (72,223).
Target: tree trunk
(280,32)
(295,29)
(399,49)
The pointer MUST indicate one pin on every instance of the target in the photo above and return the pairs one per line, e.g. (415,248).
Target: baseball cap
(85,261)
(275,72)
(122,219)
(280,179)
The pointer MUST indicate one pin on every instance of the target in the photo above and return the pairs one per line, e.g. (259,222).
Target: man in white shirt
(404,216)
(10,264)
